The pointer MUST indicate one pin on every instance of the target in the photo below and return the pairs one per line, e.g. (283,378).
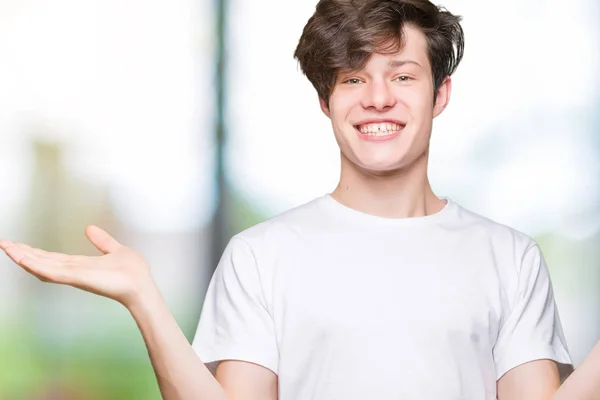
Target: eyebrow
(399,63)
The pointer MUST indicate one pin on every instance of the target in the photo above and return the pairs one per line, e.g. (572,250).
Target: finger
(56,259)
(19,252)
(14,252)
(47,270)
(29,265)
(42,253)
(63,259)
(102,240)
(5,243)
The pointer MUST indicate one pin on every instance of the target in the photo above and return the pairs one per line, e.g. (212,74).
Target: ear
(324,107)
(442,96)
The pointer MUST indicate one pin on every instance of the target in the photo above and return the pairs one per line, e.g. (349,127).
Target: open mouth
(380,129)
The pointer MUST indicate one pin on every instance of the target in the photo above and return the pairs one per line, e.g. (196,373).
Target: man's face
(382,115)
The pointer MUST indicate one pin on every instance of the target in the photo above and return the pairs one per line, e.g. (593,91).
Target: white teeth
(382,129)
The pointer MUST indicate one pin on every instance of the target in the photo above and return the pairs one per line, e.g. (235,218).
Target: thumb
(102,240)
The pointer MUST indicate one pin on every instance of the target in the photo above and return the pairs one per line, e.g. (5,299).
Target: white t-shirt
(344,305)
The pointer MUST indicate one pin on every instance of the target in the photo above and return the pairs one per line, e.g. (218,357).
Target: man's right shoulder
(292,223)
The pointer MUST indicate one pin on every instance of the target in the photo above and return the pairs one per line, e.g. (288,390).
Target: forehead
(414,48)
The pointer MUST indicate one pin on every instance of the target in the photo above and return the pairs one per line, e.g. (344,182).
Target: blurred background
(176,124)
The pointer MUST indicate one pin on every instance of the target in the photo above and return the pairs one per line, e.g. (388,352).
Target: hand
(120,274)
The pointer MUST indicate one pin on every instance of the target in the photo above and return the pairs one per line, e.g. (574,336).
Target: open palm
(120,274)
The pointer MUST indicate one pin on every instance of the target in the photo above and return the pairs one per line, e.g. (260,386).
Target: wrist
(144,299)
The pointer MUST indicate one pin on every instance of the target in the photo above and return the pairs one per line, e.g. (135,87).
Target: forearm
(180,373)
(584,382)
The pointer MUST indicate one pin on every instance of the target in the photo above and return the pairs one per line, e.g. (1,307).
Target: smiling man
(380,289)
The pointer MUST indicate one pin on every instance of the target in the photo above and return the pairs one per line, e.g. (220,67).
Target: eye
(403,78)
(352,81)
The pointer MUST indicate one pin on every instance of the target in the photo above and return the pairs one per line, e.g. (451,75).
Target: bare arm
(122,274)
(179,371)
(535,380)
(584,382)
(539,380)
(247,381)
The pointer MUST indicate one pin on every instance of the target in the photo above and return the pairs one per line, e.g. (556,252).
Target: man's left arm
(530,342)
(534,380)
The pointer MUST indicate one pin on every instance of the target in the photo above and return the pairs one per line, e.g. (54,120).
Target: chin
(386,165)
(382,168)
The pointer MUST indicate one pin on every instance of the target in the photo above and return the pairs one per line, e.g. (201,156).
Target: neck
(405,193)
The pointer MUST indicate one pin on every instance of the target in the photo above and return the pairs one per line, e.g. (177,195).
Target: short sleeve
(235,323)
(532,330)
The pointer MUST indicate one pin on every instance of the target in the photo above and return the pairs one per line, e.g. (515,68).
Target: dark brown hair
(342,34)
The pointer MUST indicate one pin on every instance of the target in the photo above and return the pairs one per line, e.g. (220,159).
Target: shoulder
(479,225)
(502,240)
(514,258)
(284,229)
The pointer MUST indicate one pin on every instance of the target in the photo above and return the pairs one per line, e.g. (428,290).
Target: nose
(378,96)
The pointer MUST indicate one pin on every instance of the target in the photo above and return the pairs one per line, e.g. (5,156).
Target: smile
(379,130)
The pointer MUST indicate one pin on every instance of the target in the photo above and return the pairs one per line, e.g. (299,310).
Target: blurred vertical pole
(220,225)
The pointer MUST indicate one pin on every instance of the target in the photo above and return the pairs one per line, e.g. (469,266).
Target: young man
(378,290)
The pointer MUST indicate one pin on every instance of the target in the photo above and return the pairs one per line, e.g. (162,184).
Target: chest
(382,287)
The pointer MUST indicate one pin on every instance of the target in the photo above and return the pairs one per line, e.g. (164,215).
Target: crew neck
(352,215)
